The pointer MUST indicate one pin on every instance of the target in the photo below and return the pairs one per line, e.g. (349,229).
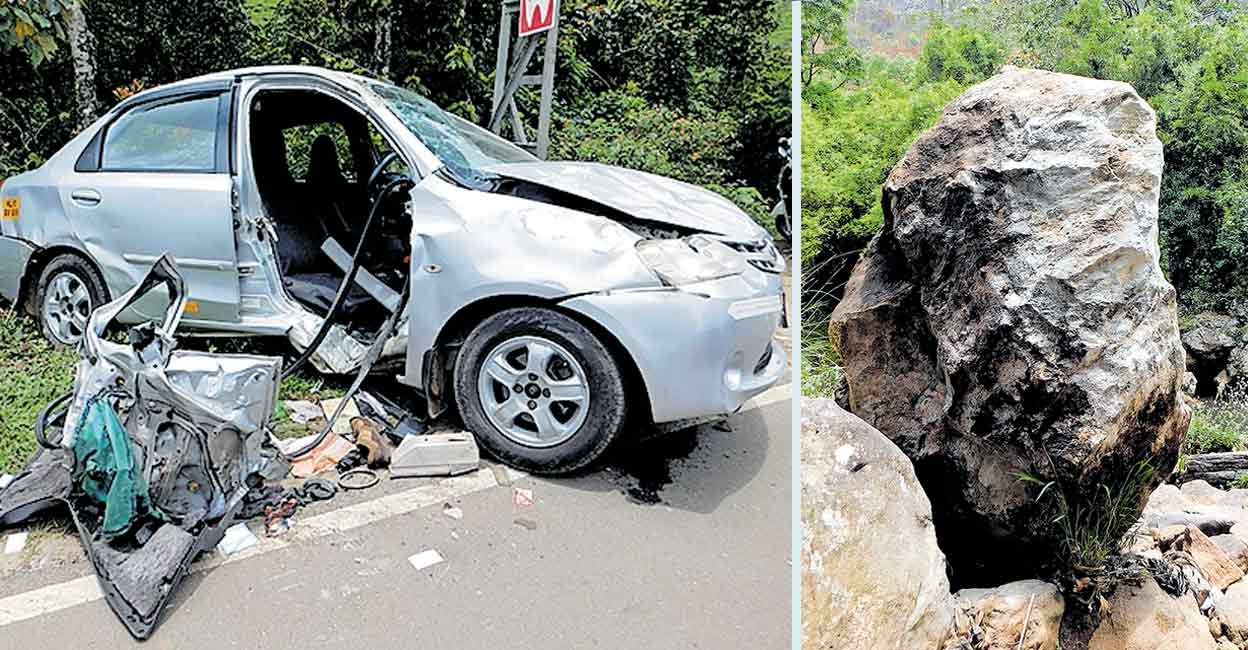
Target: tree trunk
(381,46)
(82,53)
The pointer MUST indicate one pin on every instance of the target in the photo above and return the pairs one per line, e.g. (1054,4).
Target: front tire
(540,391)
(69,289)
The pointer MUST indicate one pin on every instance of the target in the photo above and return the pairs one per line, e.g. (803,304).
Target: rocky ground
(1177,580)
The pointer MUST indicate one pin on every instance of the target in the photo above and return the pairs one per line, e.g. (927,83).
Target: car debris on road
(237,538)
(157,450)
(425,559)
(14,543)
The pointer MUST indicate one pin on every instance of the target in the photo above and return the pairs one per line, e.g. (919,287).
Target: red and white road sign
(537,16)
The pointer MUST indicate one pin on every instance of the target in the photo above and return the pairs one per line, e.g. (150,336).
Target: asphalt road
(679,542)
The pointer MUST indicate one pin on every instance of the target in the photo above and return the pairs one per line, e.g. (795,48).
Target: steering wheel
(377,178)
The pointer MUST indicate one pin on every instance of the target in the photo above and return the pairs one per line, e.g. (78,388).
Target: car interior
(313,157)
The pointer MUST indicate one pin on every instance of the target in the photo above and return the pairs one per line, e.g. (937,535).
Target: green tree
(958,53)
(33,26)
(825,44)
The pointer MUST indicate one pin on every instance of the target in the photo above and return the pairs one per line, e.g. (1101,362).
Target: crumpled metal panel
(642,195)
(197,424)
(339,354)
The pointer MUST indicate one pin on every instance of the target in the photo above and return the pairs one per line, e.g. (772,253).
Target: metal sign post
(515,53)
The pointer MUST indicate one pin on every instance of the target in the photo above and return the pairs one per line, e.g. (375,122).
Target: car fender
(471,246)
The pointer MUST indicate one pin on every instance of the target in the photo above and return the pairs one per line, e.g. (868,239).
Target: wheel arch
(462,322)
(39,260)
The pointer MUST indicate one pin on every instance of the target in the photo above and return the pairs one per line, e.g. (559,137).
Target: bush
(1219,425)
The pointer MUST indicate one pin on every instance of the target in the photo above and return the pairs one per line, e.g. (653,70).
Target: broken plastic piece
(350,411)
(425,559)
(322,458)
(389,298)
(237,538)
(303,412)
(14,543)
(438,454)
(42,485)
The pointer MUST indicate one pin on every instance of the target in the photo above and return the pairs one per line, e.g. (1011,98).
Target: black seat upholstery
(327,187)
(308,274)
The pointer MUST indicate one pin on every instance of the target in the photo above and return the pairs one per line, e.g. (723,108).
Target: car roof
(256,71)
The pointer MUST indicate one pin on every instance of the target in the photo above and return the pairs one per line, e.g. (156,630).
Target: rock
(1214,345)
(1030,610)
(1209,558)
(872,574)
(1167,498)
(1011,316)
(1211,521)
(1220,468)
(1211,334)
(1201,493)
(1233,610)
(1166,537)
(1147,618)
(1236,549)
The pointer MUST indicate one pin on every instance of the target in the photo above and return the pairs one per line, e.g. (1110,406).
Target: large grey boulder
(872,574)
(1012,316)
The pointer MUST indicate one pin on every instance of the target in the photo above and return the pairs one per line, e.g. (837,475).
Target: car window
(299,141)
(180,136)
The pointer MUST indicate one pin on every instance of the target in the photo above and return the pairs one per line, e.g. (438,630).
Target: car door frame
(267,307)
(123,267)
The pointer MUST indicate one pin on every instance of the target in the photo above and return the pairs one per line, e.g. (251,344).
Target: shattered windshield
(465,148)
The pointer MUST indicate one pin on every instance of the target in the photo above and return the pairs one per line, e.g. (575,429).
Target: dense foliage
(1190,61)
(696,89)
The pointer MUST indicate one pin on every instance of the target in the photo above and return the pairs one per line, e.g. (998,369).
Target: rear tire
(540,391)
(69,289)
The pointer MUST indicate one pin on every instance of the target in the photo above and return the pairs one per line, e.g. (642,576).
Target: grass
(33,373)
(1092,525)
(821,360)
(1219,425)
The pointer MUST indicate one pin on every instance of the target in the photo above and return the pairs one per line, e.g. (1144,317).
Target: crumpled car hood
(641,195)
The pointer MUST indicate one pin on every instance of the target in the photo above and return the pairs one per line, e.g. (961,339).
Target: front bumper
(702,349)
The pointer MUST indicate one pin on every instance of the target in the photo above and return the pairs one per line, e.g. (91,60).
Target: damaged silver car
(549,301)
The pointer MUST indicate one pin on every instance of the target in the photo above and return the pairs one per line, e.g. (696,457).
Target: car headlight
(689,260)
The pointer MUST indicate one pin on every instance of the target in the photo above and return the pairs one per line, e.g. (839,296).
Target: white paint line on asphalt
(75,592)
(78,591)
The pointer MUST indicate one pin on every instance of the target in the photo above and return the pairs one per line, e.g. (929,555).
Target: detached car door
(156,179)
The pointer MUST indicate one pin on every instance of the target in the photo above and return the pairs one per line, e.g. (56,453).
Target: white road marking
(86,589)
(71,593)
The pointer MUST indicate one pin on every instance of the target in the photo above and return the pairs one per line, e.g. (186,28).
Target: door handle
(85,197)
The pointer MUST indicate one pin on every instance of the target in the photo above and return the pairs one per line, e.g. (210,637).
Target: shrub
(1219,425)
